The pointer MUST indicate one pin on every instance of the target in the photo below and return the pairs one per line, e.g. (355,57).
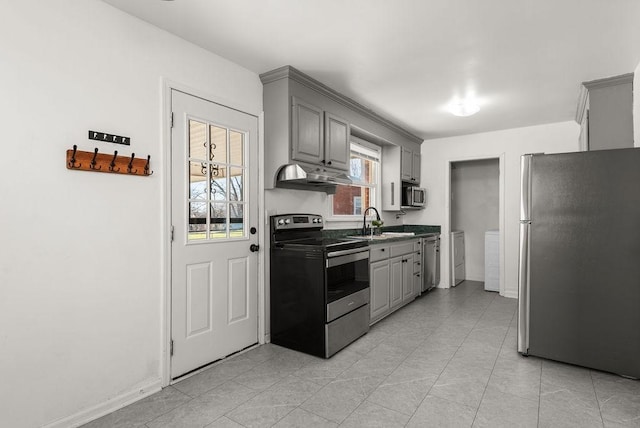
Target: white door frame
(446,227)
(165,233)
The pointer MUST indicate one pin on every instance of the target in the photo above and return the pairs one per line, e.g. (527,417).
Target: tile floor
(447,359)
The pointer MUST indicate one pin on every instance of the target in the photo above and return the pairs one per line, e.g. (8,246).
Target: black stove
(304,231)
(319,287)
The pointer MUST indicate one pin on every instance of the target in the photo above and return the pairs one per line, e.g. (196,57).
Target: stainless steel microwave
(414,197)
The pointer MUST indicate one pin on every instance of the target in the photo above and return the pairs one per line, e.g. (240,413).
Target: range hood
(302,177)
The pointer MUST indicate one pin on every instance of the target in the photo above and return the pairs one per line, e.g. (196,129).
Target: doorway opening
(475,214)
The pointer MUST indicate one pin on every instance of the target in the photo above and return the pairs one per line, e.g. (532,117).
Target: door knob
(253,248)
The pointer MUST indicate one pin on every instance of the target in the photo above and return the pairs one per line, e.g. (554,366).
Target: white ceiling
(407,59)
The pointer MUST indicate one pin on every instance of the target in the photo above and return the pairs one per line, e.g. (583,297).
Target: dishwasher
(430,262)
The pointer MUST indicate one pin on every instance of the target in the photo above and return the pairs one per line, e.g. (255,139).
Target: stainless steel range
(319,286)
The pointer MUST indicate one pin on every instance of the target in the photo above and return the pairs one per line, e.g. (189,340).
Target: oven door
(347,273)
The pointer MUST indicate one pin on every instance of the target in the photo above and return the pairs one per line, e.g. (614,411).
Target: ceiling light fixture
(464,108)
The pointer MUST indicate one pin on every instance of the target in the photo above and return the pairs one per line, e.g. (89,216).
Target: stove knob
(287,221)
(315,220)
(319,220)
(281,221)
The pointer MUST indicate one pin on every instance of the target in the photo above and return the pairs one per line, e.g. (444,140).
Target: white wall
(475,201)
(81,256)
(512,143)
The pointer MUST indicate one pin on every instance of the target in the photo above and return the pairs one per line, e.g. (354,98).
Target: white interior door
(214,213)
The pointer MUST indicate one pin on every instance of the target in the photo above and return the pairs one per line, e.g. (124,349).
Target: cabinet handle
(393,188)
(382,249)
(322,161)
(329,163)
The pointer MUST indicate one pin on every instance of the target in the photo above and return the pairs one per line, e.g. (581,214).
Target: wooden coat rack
(102,162)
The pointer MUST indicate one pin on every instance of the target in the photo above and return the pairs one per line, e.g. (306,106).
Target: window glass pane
(363,170)
(236,183)
(197,180)
(197,140)
(218,183)
(236,218)
(197,221)
(349,200)
(218,152)
(236,140)
(218,225)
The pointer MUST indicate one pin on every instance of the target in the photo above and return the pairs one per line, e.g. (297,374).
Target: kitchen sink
(397,234)
(368,237)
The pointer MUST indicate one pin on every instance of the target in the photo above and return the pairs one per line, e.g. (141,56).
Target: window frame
(377,186)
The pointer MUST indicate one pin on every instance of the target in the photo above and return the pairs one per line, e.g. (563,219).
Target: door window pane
(236,184)
(236,141)
(216,189)
(218,227)
(197,140)
(236,220)
(197,181)
(197,221)
(218,151)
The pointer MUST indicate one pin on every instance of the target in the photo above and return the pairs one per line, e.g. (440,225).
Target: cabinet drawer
(416,264)
(378,252)
(416,246)
(402,249)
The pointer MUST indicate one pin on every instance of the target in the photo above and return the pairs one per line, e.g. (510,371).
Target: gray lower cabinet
(380,289)
(397,281)
(393,278)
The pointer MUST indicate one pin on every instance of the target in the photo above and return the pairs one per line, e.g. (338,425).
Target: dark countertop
(420,231)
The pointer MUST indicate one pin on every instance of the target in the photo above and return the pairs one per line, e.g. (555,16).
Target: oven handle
(338,258)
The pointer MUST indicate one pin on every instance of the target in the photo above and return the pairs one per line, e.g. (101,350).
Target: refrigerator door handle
(523,288)
(525,187)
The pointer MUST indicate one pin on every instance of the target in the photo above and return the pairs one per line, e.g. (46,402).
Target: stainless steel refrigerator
(579,262)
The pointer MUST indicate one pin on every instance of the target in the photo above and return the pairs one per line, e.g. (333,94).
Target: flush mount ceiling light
(466,107)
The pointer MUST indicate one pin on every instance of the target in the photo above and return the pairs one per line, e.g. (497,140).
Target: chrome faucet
(364,219)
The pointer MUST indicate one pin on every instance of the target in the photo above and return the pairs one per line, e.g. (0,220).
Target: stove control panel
(296,221)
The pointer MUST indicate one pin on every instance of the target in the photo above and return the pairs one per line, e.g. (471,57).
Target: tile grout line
(452,356)
(595,392)
(493,367)
(540,392)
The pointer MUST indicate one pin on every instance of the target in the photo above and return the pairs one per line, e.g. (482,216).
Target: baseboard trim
(511,294)
(97,411)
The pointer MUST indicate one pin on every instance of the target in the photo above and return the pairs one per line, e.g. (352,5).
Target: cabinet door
(406,164)
(415,167)
(396,277)
(307,133)
(337,150)
(380,289)
(408,290)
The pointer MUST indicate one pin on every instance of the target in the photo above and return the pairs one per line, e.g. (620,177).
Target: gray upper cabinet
(410,166)
(406,165)
(319,137)
(308,123)
(605,113)
(415,169)
(307,132)
(337,150)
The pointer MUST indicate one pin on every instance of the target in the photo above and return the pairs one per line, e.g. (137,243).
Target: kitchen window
(364,169)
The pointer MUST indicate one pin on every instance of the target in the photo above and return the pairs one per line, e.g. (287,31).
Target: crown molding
(583,97)
(289,72)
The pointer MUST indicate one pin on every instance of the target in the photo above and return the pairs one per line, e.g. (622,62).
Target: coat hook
(146,167)
(131,165)
(72,161)
(93,161)
(113,163)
